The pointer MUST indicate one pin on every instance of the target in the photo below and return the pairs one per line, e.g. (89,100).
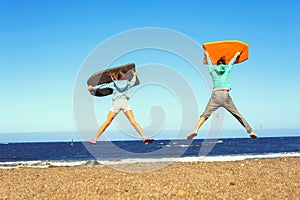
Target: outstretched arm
(237,54)
(211,67)
(113,76)
(230,64)
(133,80)
(102,86)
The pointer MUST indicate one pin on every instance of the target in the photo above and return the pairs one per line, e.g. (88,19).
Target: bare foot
(252,135)
(148,140)
(191,136)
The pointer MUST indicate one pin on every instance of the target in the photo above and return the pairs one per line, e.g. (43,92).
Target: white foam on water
(235,157)
(41,164)
(66,163)
(198,159)
(62,163)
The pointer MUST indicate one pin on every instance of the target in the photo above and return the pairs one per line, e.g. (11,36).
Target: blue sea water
(81,153)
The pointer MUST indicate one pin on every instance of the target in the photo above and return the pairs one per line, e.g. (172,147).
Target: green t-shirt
(220,73)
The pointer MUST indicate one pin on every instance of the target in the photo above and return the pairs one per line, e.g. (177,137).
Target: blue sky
(43,45)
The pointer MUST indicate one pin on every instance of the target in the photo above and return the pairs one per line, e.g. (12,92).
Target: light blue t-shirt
(220,73)
(120,88)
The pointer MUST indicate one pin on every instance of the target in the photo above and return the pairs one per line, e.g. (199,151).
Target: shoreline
(94,162)
(271,178)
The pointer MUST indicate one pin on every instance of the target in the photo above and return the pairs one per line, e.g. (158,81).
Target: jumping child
(120,86)
(220,95)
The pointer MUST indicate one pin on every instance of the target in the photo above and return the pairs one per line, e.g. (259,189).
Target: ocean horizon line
(136,140)
(169,130)
(62,136)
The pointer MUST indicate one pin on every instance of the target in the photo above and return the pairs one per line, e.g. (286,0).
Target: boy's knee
(205,116)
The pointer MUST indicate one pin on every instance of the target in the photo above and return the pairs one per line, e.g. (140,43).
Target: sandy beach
(277,178)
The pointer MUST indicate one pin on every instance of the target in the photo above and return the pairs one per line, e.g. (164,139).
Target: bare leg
(211,106)
(199,124)
(130,116)
(233,110)
(110,117)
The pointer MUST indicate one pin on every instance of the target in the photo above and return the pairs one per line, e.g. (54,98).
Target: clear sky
(43,45)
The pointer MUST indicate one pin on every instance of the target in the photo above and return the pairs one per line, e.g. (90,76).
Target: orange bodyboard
(226,48)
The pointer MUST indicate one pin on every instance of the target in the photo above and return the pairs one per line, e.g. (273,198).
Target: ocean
(52,154)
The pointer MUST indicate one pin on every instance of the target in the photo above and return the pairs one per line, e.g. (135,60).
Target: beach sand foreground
(248,179)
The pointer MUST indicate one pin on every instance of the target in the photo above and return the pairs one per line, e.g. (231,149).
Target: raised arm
(211,67)
(133,80)
(237,54)
(113,76)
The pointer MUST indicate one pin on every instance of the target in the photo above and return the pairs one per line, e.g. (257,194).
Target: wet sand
(277,178)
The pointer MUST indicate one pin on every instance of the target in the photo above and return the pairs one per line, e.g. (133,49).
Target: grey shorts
(222,99)
(120,104)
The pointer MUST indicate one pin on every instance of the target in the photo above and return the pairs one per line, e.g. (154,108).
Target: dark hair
(121,75)
(221,61)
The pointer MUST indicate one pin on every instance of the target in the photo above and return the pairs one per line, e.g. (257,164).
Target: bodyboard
(103,76)
(226,48)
